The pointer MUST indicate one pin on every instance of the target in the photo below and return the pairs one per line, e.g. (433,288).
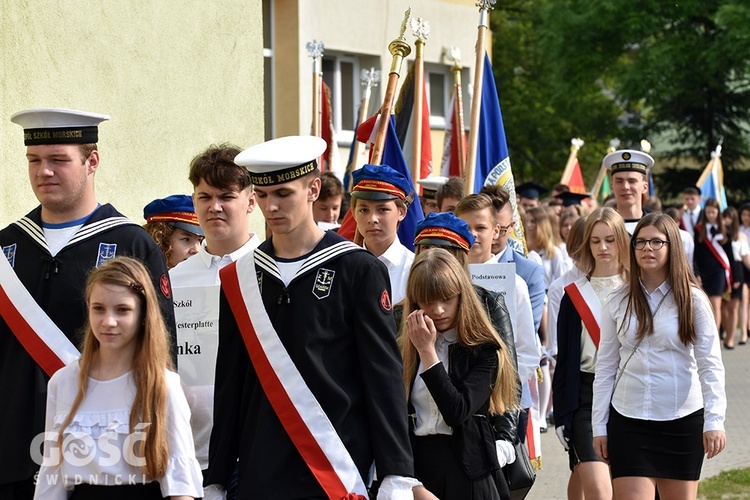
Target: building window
(439,81)
(341,72)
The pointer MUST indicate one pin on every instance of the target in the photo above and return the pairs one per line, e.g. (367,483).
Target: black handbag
(520,475)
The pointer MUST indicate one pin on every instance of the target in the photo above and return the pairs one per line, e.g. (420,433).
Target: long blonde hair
(543,237)
(150,359)
(437,275)
(614,221)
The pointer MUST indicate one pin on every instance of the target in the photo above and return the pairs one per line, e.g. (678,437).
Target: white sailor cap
(628,160)
(58,126)
(281,160)
(430,186)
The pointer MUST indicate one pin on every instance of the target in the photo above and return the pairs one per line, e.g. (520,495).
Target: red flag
(404,110)
(575,183)
(455,140)
(331,159)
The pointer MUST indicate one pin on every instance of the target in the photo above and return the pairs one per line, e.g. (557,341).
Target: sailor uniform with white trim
(335,321)
(57,283)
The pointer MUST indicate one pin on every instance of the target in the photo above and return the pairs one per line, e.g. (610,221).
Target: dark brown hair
(216,166)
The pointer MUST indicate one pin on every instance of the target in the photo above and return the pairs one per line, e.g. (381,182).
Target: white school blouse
(664,380)
(94,441)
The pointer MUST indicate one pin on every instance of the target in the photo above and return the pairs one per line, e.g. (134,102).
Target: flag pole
(458,109)
(369,79)
(476,100)
(420,28)
(613,145)
(575,145)
(707,171)
(399,49)
(315,51)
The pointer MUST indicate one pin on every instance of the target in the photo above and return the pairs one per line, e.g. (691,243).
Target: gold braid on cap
(284,175)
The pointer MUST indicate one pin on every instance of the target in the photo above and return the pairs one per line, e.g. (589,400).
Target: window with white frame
(341,72)
(439,82)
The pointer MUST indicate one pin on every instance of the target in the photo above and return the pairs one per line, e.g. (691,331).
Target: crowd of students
(338,369)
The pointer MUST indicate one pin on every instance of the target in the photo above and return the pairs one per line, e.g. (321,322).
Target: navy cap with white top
(430,186)
(281,160)
(531,190)
(628,160)
(379,182)
(58,126)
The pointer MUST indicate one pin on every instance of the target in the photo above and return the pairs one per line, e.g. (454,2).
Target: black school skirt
(438,469)
(149,491)
(582,435)
(671,449)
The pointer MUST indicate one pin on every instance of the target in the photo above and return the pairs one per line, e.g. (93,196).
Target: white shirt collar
(209,258)
(393,254)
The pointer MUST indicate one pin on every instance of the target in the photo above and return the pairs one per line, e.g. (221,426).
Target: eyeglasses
(504,229)
(640,244)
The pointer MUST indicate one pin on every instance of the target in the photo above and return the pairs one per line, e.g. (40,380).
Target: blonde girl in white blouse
(659,398)
(118,424)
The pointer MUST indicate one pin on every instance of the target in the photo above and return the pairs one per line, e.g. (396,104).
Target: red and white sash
(36,332)
(719,254)
(588,306)
(299,412)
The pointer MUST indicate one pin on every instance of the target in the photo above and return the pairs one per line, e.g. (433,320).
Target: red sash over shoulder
(36,332)
(588,306)
(297,408)
(719,254)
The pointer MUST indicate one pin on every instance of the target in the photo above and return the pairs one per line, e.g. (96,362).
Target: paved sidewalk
(552,480)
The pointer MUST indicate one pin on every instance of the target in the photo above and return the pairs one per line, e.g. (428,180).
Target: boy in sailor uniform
(311,313)
(51,251)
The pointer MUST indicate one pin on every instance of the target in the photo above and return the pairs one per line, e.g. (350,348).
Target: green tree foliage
(633,69)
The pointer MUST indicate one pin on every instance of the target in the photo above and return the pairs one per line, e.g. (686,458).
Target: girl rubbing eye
(117,421)
(457,372)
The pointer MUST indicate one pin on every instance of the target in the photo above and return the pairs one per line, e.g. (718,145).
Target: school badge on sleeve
(107,251)
(385,301)
(323,283)
(10,254)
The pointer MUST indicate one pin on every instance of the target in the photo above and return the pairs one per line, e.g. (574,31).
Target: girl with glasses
(659,398)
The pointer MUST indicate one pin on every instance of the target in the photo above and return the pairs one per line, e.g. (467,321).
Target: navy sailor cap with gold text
(281,160)
(58,126)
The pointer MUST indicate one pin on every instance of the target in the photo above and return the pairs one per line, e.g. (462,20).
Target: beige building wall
(175,76)
(363,28)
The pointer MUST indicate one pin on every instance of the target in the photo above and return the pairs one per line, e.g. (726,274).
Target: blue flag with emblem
(493,159)
(393,156)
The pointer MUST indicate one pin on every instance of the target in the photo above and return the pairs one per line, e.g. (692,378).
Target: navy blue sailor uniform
(335,320)
(58,284)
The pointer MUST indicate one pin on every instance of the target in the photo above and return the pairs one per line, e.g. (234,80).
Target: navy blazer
(533,274)
(463,398)
(566,383)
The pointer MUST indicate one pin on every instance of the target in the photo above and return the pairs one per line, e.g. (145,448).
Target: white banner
(196,311)
(500,278)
